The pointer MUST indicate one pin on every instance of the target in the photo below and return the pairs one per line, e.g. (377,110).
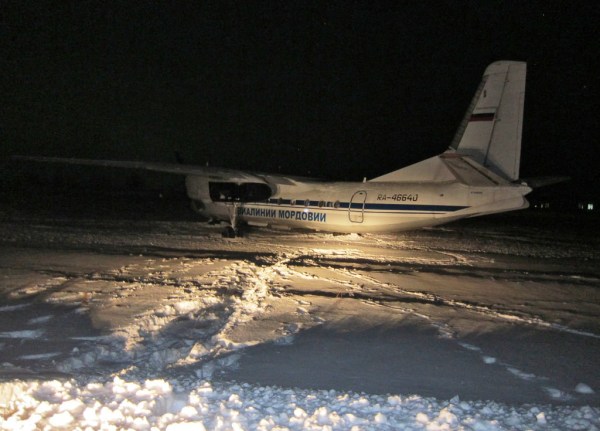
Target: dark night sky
(332,89)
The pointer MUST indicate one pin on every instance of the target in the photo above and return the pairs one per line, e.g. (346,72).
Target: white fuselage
(363,207)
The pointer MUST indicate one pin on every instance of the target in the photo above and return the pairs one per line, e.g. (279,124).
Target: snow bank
(139,405)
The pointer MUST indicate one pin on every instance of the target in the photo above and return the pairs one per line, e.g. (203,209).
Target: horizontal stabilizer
(537,182)
(446,167)
(432,169)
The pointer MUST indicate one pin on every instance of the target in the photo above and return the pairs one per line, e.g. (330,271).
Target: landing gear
(232,231)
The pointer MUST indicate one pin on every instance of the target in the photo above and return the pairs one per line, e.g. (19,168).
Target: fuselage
(362,207)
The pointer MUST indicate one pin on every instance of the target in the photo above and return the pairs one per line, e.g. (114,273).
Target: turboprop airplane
(477,175)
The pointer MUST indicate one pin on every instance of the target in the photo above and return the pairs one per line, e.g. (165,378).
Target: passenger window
(321,204)
(306,202)
(336,204)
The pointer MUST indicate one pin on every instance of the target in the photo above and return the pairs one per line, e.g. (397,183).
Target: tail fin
(490,132)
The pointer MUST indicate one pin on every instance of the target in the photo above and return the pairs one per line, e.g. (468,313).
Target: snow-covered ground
(140,324)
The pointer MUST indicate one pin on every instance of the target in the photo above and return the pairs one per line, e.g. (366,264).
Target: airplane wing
(213,173)
(172,168)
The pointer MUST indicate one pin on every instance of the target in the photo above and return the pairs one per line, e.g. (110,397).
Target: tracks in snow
(387,293)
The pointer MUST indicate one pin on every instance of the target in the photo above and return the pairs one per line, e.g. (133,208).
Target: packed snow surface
(118,324)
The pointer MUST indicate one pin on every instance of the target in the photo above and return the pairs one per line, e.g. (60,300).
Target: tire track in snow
(452,267)
(477,308)
(422,297)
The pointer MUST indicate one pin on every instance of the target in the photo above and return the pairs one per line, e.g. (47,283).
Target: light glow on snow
(173,327)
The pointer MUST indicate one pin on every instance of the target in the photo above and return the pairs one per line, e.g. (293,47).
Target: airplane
(477,175)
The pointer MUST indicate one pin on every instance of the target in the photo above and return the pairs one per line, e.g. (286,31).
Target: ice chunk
(446,416)
(39,356)
(284,341)
(541,418)
(13,307)
(186,426)
(184,307)
(10,392)
(422,418)
(74,406)
(394,400)
(299,413)
(470,347)
(41,319)
(188,412)
(521,374)
(34,333)
(582,388)
(322,416)
(61,420)
(557,394)
(380,418)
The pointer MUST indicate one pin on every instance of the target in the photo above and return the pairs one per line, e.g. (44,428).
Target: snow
(154,403)
(169,326)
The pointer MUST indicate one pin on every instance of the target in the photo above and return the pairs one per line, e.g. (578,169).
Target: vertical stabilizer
(490,132)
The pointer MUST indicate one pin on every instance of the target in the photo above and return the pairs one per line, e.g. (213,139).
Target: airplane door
(356,210)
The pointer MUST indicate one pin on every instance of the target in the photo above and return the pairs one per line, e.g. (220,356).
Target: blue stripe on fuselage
(370,206)
(413,207)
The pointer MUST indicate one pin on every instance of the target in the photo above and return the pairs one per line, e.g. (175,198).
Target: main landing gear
(232,231)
